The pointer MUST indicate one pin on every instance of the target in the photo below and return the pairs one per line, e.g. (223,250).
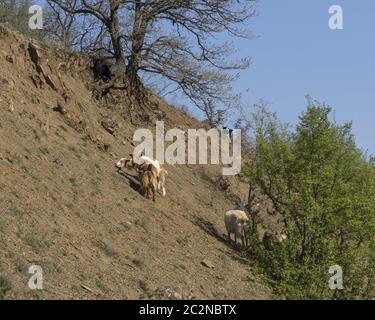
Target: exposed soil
(64,205)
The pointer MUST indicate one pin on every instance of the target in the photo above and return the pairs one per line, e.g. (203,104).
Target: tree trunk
(138,38)
(114,29)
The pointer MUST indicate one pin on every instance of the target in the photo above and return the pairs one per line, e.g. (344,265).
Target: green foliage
(5,286)
(323,188)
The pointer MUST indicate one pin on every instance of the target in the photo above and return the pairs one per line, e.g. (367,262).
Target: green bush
(323,187)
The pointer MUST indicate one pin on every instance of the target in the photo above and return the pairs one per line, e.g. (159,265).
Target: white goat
(235,221)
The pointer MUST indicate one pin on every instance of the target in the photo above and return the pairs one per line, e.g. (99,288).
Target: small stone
(9,58)
(207,263)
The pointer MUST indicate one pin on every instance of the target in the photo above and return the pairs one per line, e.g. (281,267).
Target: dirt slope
(64,206)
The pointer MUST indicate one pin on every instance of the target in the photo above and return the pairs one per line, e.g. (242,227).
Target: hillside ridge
(65,207)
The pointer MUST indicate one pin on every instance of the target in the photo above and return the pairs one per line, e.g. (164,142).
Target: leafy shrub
(323,188)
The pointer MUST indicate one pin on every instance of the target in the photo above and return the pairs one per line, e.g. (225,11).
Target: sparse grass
(21,265)
(95,181)
(15,193)
(34,177)
(181,266)
(181,241)
(126,225)
(147,294)
(20,133)
(51,267)
(143,285)
(73,181)
(63,128)
(70,206)
(5,286)
(101,286)
(76,288)
(139,263)
(34,294)
(2,226)
(142,223)
(38,244)
(13,210)
(44,150)
(108,249)
(36,135)
(24,168)
(82,276)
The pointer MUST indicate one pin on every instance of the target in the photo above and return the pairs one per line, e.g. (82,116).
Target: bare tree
(175,39)
(61,26)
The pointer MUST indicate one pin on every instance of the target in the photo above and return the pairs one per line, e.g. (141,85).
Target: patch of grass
(34,177)
(126,225)
(20,133)
(70,206)
(44,150)
(142,223)
(143,285)
(21,265)
(95,181)
(63,128)
(13,210)
(74,182)
(101,286)
(76,288)
(36,135)
(3,226)
(82,276)
(15,193)
(108,249)
(181,266)
(51,267)
(5,286)
(181,241)
(34,294)
(24,168)
(139,263)
(38,244)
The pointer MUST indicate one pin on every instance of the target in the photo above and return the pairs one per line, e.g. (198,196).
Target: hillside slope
(64,206)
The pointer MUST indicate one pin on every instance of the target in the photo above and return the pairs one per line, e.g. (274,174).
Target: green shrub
(323,187)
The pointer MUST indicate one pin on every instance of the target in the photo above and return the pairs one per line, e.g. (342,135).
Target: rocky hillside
(64,206)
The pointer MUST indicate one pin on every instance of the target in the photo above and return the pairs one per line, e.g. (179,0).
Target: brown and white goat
(142,166)
(161,181)
(148,180)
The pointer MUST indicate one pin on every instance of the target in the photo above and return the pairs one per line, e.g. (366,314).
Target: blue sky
(295,53)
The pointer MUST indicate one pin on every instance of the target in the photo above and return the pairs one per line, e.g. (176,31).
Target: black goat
(102,69)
